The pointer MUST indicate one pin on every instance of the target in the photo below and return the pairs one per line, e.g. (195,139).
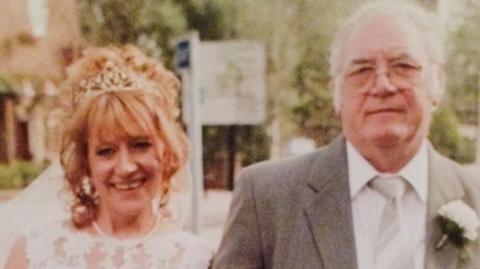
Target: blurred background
(39,38)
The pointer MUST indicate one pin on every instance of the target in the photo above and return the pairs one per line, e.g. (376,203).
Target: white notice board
(231,75)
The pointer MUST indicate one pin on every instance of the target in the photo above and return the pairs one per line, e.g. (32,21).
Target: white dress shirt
(368,205)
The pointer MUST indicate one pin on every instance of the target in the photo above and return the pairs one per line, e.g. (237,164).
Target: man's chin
(387,138)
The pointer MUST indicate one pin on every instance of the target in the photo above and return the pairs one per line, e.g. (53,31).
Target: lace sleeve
(207,252)
(50,245)
(180,250)
(199,251)
(38,204)
(58,246)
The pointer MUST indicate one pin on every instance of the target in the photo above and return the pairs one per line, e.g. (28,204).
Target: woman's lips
(130,185)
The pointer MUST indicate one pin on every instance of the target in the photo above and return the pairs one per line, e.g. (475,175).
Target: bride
(120,149)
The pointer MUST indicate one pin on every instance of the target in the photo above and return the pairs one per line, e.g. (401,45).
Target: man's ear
(334,85)
(437,86)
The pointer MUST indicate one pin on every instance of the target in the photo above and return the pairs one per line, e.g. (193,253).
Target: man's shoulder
(466,173)
(270,168)
(470,176)
(288,170)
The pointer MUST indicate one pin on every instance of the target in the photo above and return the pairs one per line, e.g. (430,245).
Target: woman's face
(125,170)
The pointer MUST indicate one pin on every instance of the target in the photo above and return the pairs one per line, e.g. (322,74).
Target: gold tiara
(111,78)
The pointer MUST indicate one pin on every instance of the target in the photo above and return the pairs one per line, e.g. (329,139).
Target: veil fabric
(40,203)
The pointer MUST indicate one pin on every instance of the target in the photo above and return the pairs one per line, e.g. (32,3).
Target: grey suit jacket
(296,213)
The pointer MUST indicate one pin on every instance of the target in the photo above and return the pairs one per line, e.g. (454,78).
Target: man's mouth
(385,110)
(130,185)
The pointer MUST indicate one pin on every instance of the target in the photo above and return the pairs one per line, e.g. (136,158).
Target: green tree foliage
(297,35)
(298,40)
(446,138)
(219,20)
(153,25)
(463,68)
(208,17)
(313,111)
(19,174)
(252,142)
(149,24)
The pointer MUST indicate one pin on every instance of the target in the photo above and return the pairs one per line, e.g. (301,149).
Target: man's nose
(383,84)
(125,163)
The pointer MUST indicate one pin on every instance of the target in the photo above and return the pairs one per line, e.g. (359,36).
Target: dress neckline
(130,242)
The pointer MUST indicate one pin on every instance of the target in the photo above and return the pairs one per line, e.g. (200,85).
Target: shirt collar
(360,171)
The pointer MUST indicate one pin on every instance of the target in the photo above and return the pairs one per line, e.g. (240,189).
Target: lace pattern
(58,246)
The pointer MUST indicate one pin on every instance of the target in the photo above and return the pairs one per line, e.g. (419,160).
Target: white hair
(425,21)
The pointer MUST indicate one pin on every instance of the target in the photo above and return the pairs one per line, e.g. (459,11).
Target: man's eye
(104,152)
(405,66)
(361,71)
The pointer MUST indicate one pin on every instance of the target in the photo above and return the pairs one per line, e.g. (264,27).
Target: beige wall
(42,59)
(37,60)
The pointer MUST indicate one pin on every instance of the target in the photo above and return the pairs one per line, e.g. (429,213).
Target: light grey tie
(393,247)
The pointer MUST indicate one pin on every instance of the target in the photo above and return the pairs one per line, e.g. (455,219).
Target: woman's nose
(125,163)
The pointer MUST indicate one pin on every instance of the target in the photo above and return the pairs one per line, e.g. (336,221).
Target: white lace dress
(59,246)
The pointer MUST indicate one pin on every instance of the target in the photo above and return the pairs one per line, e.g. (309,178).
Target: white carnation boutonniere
(459,224)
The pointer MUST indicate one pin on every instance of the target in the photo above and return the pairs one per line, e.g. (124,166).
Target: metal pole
(477,156)
(232,151)
(192,117)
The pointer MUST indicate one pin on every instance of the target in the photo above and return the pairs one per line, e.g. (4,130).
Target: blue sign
(182,54)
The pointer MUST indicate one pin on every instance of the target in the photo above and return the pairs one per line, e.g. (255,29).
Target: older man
(371,198)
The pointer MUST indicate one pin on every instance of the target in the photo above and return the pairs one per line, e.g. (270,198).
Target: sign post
(223,83)
(477,156)
(186,60)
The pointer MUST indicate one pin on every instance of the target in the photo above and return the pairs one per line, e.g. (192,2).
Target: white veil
(38,204)
(45,201)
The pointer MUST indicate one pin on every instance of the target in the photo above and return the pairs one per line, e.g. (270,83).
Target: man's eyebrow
(401,56)
(361,61)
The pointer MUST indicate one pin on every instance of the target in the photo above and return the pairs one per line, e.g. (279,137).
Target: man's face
(384,85)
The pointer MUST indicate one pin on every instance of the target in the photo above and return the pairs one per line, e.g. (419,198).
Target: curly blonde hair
(132,109)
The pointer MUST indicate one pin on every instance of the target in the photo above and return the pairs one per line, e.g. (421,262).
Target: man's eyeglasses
(400,71)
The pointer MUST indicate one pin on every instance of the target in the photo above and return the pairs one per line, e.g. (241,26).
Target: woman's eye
(142,144)
(104,152)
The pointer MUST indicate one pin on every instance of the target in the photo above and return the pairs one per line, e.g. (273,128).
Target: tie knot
(391,187)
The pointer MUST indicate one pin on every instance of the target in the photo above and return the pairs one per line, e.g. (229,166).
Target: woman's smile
(128,185)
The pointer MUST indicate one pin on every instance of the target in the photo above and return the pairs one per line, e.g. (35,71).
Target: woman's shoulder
(39,244)
(47,239)
(52,230)
(43,230)
(191,240)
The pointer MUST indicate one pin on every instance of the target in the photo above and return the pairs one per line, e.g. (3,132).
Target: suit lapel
(329,213)
(443,186)
(328,208)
